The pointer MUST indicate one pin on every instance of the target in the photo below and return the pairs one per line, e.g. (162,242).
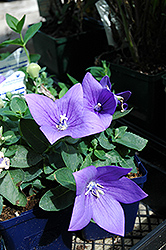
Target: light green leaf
(57,199)
(9,187)
(1,204)
(12,22)
(104,142)
(25,158)
(71,157)
(32,173)
(32,30)
(20,24)
(65,177)
(18,105)
(16,41)
(87,162)
(72,79)
(119,114)
(131,140)
(100,154)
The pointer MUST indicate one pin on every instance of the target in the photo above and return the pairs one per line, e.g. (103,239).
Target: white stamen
(95,189)
(62,123)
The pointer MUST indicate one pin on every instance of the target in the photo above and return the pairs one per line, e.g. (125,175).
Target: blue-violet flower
(122,97)
(63,117)
(98,100)
(99,192)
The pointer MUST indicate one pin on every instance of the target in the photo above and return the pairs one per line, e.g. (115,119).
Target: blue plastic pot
(93,232)
(39,230)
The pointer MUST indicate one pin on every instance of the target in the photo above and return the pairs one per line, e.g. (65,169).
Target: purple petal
(82,213)
(83,177)
(43,109)
(2,78)
(108,102)
(108,214)
(126,95)
(91,89)
(105,82)
(107,174)
(126,191)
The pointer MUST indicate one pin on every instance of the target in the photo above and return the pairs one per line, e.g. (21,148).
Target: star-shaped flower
(63,117)
(122,97)
(98,100)
(99,192)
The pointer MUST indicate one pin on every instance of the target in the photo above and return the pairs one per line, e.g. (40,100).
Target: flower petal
(91,89)
(82,213)
(108,102)
(105,82)
(108,214)
(83,177)
(125,191)
(107,174)
(42,108)
(126,95)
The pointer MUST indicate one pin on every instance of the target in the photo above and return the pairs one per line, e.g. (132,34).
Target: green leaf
(65,177)
(104,142)
(12,22)
(20,24)
(18,105)
(1,204)
(57,199)
(87,162)
(32,173)
(72,79)
(9,187)
(32,30)
(71,157)
(100,154)
(25,158)
(119,114)
(34,57)
(10,137)
(82,147)
(64,89)
(16,41)
(119,132)
(131,140)
(33,135)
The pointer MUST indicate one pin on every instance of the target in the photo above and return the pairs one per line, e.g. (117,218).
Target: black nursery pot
(93,232)
(38,229)
(72,54)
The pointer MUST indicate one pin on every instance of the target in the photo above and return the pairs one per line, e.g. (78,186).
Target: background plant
(141,26)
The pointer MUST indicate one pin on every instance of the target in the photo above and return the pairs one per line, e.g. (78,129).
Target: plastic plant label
(13,62)
(14,84)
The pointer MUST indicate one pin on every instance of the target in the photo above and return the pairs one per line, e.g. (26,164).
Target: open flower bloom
(63,117)
(4,162)
(122,97)
(99,192)
(98,100)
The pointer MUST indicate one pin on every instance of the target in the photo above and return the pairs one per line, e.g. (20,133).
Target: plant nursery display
(62,155)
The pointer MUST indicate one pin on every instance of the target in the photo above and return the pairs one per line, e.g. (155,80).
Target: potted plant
(137,58)
(60,153)
(70,35)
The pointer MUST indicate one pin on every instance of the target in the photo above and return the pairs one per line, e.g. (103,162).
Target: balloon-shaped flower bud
(33,70)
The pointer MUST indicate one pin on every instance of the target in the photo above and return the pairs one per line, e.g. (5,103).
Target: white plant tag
(14,84)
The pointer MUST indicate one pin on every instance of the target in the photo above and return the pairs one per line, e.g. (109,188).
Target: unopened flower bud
(33,70)
(9,95)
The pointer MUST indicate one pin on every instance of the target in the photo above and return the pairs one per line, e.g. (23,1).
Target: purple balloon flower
(98,100)
(65,116)
(122,97)
(99,192)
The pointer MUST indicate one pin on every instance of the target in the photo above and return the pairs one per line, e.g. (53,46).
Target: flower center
(62,123)
(95,189)
(98,107)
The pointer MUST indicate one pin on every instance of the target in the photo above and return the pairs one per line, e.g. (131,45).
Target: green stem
(25,49)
